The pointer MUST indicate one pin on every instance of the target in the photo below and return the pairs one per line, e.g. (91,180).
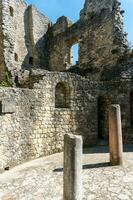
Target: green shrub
(8,81)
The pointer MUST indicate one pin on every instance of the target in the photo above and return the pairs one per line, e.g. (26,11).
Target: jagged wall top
(96,6)
(22,30)
(39,44)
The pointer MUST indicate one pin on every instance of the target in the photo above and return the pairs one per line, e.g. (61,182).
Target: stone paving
(42,179)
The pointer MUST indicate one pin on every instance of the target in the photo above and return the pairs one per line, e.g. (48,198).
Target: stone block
(72,167)
(7,107)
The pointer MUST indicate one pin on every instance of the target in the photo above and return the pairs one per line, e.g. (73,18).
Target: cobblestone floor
(41,179)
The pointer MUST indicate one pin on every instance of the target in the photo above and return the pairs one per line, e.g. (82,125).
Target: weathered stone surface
(115,135)
(99,32)
(37,127)
(72,177)
(22,33)
(30,46)
(43,178)
(40,44)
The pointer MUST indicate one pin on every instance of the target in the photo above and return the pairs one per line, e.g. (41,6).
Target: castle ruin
(43,96)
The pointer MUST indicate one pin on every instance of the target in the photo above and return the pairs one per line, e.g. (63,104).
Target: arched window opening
(31,60)
(16,57)
(11,11)
(62,95)
(75,54)
(131,108)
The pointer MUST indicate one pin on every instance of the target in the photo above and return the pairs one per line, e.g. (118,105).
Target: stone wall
(32,123)
(30,40)
(101,38)
(36,126)
(104,42)
(14,34)
(59,48)
(16,127)
(2,61)
(36,27)
(23,30)
(119,92)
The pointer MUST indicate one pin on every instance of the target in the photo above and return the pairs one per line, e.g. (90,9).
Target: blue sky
(71,8)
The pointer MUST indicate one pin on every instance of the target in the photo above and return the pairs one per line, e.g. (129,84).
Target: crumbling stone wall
(31,41)
(64,99)
(32,126)
(99,32)
(36,27)
(2,61)
(59,48)
(23,30)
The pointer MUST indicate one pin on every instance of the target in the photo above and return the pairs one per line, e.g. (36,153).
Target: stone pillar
(72,167)
(115,135)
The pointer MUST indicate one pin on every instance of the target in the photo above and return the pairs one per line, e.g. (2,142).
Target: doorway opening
(104,103)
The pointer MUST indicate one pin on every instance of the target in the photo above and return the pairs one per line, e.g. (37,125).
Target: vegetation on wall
(7,82)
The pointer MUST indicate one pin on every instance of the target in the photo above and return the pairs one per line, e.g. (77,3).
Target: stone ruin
(73,151)
(43,95)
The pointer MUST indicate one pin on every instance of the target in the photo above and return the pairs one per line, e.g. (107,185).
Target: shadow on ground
(95,150)
(87,166)
(105,149)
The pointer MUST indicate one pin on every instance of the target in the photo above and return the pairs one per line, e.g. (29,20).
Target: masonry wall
(23,36)
(31,126)
(16,127)
(101,38)
(119,92)
(34,121)
(104,42)
(59,48)
(2,62)
(14,34)
(31,41)
(36,27)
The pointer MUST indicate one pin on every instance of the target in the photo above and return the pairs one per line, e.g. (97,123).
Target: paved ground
(42,179)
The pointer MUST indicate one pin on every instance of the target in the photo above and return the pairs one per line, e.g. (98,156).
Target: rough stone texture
(23,34)
(100,35)
(65,99)
(72,177)
(37,127)
(38,43)
(43,178)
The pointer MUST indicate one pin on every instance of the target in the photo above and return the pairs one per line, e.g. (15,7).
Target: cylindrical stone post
(115,135)
(72,168)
